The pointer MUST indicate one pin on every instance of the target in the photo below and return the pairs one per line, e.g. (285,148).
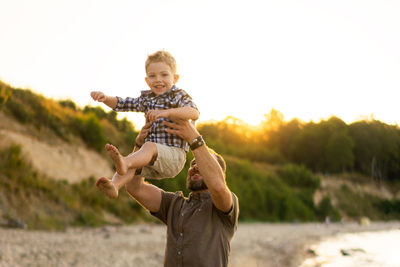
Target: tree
(376,149)
(339,152)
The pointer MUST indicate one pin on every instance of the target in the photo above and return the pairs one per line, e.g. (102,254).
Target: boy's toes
(101,181)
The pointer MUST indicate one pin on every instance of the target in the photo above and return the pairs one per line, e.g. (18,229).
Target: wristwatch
(197,142)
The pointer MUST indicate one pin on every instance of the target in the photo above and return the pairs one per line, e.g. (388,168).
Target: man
(200,227)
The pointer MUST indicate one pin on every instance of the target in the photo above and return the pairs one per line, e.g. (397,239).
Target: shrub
(325,209)
(18,111)
(390,208)
(5,94)
(91,131)
(68,104)
(299,177)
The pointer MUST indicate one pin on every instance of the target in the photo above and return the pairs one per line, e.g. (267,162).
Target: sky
(308,59)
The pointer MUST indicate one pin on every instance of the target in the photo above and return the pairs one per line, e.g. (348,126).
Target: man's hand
(143,133)
(183,129)
(207,164)
(98,96)
(154,115)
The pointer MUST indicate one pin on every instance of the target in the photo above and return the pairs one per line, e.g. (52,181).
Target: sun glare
(271,58)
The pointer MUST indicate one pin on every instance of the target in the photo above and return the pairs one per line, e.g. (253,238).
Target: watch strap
(197,142)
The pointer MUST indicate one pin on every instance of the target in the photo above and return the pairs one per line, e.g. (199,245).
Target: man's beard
(197,185)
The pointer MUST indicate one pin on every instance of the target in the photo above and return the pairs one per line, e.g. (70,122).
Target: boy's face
(160,78)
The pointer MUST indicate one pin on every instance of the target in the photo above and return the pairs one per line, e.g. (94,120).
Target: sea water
(367,249)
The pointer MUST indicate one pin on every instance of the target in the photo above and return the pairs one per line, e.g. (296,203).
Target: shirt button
(179,253)
(182,214)
(181,234)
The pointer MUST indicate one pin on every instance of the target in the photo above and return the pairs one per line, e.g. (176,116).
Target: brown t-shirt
(198,234)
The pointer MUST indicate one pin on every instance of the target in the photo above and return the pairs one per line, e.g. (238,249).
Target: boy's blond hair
(162,56)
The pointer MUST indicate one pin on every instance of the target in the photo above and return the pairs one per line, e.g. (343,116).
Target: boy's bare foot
(119,162)
(107,187)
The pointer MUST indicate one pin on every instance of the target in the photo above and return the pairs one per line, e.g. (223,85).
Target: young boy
(163,155)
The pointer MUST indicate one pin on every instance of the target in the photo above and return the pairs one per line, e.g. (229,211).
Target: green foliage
(390,208)
(265,196)
(11,160)
(376,149)
(92,124)
(282,137)
(326,209)
(44,203)
(18,110)
(325,146)
(91,130)
(98,111)
(339,153)
(330,146)
(28,107)
(356,205)
(68,104)
(299,177)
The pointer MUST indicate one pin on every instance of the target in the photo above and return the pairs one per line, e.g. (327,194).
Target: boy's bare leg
(111,187)
(135,160)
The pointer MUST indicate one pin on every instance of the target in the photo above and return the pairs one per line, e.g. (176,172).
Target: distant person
(327,220)
(163,154)
(200,227)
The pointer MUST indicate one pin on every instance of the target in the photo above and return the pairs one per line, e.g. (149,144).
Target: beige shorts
(169,163)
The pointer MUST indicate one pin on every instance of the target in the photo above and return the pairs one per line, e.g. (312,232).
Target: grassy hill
(33,197)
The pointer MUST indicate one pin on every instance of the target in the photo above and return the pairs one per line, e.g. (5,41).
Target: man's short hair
(220,159)
(162,56)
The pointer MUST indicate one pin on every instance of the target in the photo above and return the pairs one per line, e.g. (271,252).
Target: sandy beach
(254,245)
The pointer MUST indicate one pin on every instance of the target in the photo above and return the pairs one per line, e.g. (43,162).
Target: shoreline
(255,244)
(289,244)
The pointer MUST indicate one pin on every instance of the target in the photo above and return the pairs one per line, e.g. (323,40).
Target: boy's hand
(98,96)
(154,115)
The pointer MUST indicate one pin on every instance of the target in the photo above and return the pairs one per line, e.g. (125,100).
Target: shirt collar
(151,94)
(200,196)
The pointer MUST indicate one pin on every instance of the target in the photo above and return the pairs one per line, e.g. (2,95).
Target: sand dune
(62,161)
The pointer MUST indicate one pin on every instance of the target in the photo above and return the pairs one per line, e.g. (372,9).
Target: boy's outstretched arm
(110,101)
(181,113)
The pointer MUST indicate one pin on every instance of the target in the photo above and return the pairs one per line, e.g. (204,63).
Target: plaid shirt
(174,98)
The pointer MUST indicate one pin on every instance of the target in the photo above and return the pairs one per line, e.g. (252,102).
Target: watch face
(197,143)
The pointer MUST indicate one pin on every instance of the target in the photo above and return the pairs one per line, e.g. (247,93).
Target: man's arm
(207,164)
(181,113)
(148,195)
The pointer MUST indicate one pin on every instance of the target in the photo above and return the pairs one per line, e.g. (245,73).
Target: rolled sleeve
(231,217)
(130,104)
(166,200)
